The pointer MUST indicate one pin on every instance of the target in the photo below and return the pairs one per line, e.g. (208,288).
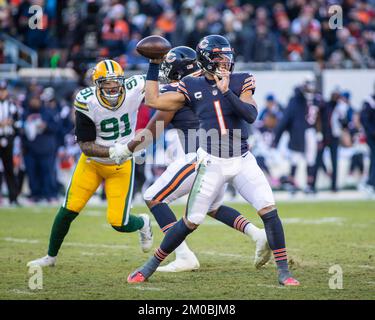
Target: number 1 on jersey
(220,117)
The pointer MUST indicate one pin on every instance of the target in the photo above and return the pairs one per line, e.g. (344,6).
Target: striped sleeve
(182,88)
(248,84)
(80,105)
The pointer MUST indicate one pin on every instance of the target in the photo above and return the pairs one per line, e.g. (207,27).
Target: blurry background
(288,45)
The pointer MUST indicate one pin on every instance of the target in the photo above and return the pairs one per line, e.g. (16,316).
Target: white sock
(252,231)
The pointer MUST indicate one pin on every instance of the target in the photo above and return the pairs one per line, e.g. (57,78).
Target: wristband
(153,72)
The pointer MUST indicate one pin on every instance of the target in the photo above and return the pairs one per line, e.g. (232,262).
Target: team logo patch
(214,92)
(203,44)
(171,57)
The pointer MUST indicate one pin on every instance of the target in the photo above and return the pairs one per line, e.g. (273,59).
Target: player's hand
(119,153)
(158,60)
(223,83)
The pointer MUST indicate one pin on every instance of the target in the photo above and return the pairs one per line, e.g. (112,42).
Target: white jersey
(112,126)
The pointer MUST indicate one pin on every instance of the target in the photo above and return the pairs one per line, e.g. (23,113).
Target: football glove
(119,153)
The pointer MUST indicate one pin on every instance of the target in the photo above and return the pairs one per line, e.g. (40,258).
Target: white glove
(119,153)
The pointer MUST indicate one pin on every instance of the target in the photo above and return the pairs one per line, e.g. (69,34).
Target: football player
(224,104)
(177,180)
(106,116)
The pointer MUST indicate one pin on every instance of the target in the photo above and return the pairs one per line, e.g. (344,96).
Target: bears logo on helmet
(180,62)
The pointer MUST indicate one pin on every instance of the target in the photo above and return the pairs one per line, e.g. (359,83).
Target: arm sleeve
(85,128)
(246,111)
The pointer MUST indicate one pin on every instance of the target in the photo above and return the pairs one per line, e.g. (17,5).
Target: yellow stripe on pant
(119,180)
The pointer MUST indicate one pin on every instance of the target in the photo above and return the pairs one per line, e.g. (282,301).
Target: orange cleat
(136,277)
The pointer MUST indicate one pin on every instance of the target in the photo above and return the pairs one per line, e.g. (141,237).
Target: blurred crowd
(37,141)
(76,33)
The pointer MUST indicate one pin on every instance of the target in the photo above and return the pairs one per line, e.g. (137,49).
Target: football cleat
(146,237)
(136,277)
(187,262)
(286,279)
(263,252)
(290,282)
(46,261)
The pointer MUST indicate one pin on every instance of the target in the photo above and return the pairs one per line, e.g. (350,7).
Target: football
(153,47)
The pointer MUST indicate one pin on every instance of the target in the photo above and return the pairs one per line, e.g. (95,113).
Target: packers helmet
(108,77)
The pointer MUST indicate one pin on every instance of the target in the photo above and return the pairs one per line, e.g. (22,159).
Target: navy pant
(333,146)
(6,155)
(371,176)
(40,171)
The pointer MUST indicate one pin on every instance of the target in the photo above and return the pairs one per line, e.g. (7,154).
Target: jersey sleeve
(248,83)
(81,102)
(140,81)
(85,129)
(182,88)
(169,87)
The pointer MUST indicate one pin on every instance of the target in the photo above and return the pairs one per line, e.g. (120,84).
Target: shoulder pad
(82,99)
(247,81)
(136,81)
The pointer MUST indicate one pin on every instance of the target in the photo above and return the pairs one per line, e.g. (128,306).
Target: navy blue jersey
(215,112)
(187,123)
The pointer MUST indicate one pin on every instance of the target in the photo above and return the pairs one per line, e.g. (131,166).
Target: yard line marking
(10,239)
(85,253)
(17,291)
(71,244)
(363,246)
(92,213)
(366,266)
(325,220)
(270,286)
(230,255)
(148,288)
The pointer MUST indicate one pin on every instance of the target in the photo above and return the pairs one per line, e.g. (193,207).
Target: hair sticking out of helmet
(214,54)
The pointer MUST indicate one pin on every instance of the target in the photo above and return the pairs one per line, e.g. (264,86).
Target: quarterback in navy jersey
(224,105)
(177,180)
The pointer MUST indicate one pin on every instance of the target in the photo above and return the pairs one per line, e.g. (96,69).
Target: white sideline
(227,255)
(148,288)
(71,244)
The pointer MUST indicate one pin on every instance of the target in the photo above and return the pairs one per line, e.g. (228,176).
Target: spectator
(39,141)
(8,125)
(368,122)
(263,139)
(115,34)
(295,30)
(300,120)
(197,34)
(330,139)
(262,47)
(358,149)
(271,107)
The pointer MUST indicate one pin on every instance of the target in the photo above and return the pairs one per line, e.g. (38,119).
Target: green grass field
(95,260)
